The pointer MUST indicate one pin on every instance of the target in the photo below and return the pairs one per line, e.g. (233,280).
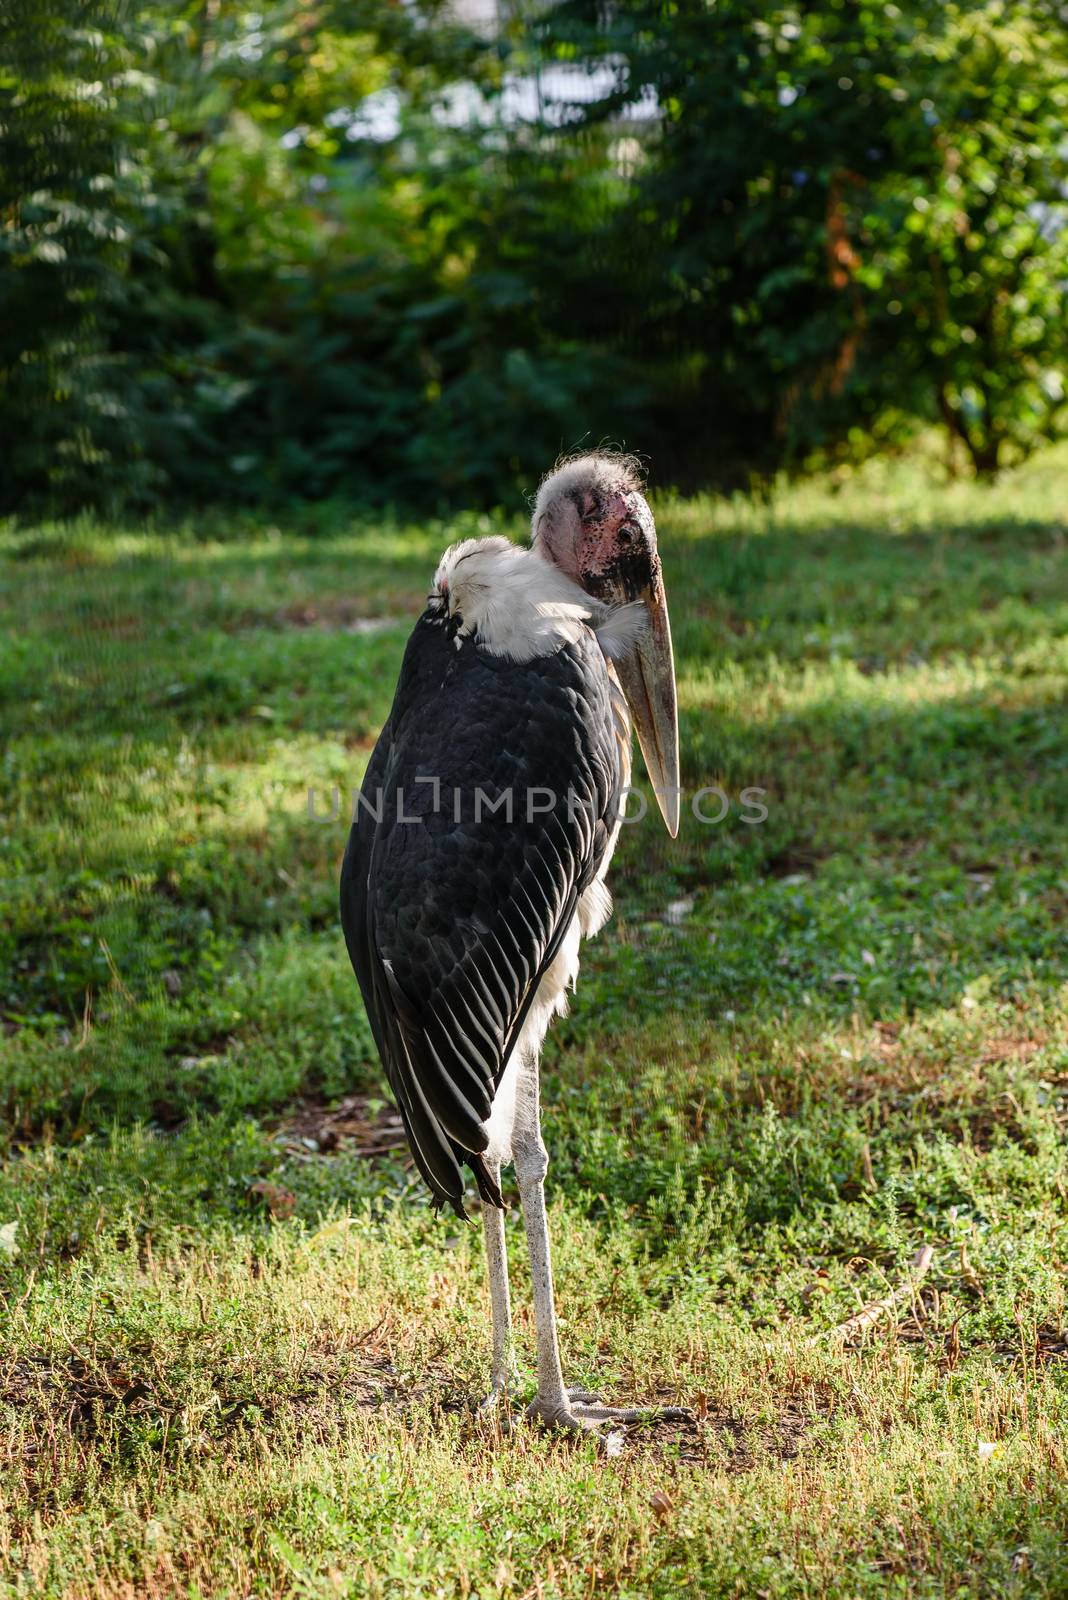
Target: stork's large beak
(647,676)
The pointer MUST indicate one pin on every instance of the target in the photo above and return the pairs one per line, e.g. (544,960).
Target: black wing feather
(451,922)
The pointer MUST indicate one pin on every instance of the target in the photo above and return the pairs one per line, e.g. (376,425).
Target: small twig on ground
(870,1314)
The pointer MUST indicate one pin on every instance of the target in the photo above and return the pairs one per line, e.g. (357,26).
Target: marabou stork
(477,859)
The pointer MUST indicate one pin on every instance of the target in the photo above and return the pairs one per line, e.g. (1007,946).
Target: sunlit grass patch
(237,1361)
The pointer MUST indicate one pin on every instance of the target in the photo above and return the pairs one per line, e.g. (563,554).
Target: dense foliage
(348,247)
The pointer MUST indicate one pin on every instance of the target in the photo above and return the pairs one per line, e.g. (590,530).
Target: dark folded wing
(512,772)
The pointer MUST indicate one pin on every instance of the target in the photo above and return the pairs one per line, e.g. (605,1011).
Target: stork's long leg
(531,1164)
(553,1403)
(500,1300)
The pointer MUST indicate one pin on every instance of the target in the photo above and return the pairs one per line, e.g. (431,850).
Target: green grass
(231,1365)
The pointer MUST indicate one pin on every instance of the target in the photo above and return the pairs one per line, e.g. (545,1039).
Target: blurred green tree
(63,253)
(849,213)
(965,254)
(340,246)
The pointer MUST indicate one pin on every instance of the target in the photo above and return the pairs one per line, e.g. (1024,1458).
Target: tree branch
(870,1314)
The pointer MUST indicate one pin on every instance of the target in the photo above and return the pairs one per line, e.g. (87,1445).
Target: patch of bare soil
(1051,1344)
(716,1438)
(1010,1047)
(334,614)
(357,1123)
(926,1325)
(88,1396)
(97,1399)
(709,1437)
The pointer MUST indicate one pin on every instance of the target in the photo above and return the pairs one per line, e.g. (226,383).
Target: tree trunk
(983,453)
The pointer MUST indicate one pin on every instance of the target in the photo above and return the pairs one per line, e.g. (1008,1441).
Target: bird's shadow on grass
(894,907)
(891,818)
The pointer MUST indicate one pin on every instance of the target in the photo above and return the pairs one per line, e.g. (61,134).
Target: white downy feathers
(515,604)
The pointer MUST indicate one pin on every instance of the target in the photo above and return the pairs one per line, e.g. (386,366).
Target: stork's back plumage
(455,919)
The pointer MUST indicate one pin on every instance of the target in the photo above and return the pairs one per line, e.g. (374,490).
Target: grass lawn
(240,1354)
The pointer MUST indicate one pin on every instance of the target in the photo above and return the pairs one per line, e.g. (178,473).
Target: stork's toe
(566,1416)
(579,1411)
(597,1413)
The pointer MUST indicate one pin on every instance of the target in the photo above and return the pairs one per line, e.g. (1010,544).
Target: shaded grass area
(237,1361)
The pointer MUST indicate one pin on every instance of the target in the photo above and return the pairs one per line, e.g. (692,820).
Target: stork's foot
(579,1411)
(594,1407)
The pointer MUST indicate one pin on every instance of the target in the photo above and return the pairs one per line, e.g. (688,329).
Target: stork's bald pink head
(592,521)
